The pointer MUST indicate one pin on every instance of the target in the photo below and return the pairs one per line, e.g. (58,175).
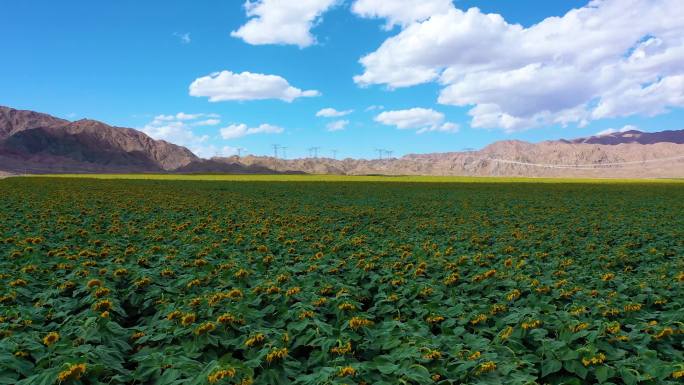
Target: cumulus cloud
(610,58)
(235,131)
(609,131)
(211,150)
(337,125)
(226,85)
(227,151)
(177,129)
(400,12)
(649,100)
(332,113)
(180,116)
(282,22)
(420,119)
(208,122)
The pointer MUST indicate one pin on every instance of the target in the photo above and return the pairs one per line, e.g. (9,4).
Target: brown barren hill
(41,143)
(627,158)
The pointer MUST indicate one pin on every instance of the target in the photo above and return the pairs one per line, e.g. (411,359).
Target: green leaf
(628,376)
(577,368)
(418,373)
(384,365)
(550,366)
(603,373)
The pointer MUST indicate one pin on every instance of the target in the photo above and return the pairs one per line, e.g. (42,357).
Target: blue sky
(446,80)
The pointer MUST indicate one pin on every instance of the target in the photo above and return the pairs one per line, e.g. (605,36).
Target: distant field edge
(350,178)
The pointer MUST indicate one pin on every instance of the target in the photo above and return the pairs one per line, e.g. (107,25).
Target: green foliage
(181,282)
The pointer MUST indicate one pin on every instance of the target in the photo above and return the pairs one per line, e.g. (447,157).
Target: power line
(334,154)
(379,151)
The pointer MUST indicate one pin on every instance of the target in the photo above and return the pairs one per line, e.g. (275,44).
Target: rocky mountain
(13,121)
(39,143)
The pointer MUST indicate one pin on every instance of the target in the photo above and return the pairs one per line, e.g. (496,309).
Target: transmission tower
(334,154)
(379,151)
(275,150)
(284,152)
(389,153)
(313,152)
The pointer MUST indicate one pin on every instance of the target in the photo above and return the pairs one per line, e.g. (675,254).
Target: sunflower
(51,338)
(74,372)
(188,319)
(218,375)
(346,371)
(276,354)
(205,328)
(486,367)
(255,340)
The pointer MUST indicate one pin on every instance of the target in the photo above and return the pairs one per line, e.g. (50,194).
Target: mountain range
(32,142)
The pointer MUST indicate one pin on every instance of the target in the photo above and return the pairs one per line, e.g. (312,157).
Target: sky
(348,76)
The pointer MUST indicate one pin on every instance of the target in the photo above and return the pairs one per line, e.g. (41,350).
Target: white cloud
(179,116)
(183,37)
(609,131)
(184,116)
(649,100)
(400,12)
(235,131)
(226,85)
(178,129)
(445,127)
(420,119)
(332,113)
(208,122)
(228,151)
(374,107)
(282,21)
(611,58)
(210,151)
(337,125)
(174,132)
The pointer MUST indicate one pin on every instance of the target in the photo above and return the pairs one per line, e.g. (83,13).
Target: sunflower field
(304,283)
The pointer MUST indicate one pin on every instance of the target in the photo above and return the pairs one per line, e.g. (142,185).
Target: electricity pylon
(313,152)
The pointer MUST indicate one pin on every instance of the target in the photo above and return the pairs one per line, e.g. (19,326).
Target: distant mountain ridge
(39,143)
(631,154)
